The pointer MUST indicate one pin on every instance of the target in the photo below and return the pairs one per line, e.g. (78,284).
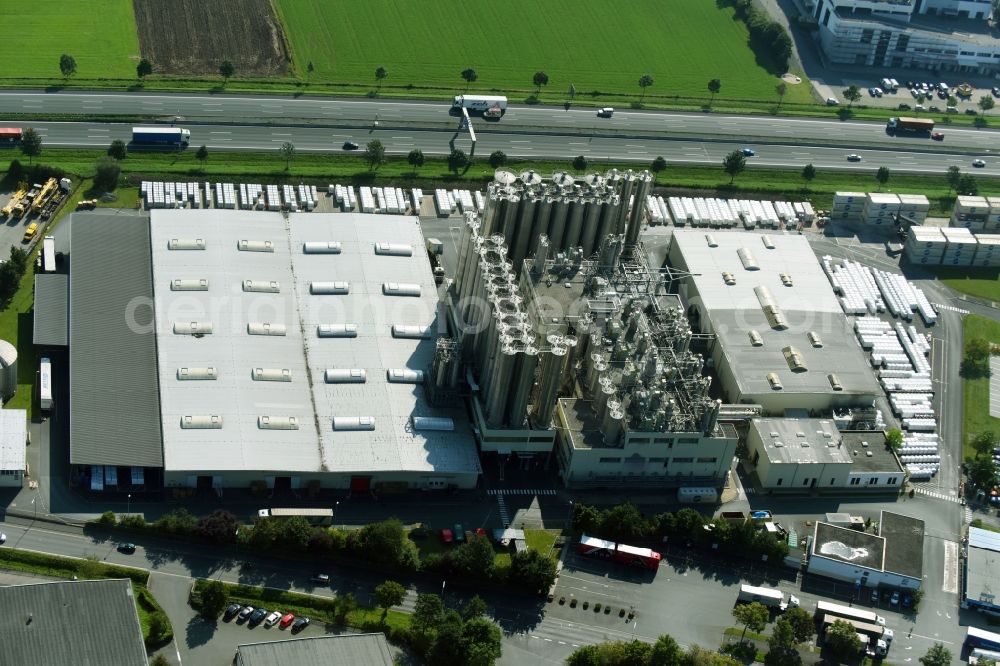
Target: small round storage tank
(8,370)
(530,177)
(504,177)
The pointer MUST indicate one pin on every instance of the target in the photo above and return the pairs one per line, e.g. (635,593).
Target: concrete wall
(12,478)
(882,480)
(331,480)
(849,573)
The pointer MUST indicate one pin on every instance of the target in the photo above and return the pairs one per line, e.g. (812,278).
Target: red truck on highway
(916,125)
(10,134)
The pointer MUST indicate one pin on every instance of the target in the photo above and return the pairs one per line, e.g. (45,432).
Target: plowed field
(194,36)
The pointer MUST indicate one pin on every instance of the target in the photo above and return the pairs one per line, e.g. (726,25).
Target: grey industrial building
(84,623)
(367,649)
(981,576)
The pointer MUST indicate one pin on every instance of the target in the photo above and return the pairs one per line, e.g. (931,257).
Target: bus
(848,613)
(984,640)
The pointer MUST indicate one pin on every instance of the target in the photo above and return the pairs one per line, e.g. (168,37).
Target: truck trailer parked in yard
(161,136)
(491,106)
(767,596)
(915,125)
(619,552)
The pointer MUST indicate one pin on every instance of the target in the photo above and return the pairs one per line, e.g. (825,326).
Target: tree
(374,154)
(447,647)
(572,91)
(658,165)
(475,557)
(310,68)
(781,89)
(783,635)
(202,154)
(952,176)
(666,651)
(808,173)
(852,94)
(480,642)
(287,151)
(386,543)
(580,163)
(346,604)
(159,626)
(645,81)
(982,472)
(31,143)
(67,65)
(159,660)
(938,655)
(18,259)
(983,443)
(882,176)
(733,164)
(389,594)
(218,527)
(977,350)
(380,76)
(227,70)
(294,534)
(415,158)
(144,68)
(213,599)
(842,639)
(470,76)
(9,280)
(427,612)
(752,616)
(498,158)
(118,149)
(532,570)
(699,656)
(802,623)
(457,160)
(178,521)
(540,79)
(985,103)
(106,174)
(473,608)
(894,438)
(714,86)
(967,185)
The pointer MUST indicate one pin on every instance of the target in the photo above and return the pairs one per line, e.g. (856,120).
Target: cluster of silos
(571,212)
(8,370)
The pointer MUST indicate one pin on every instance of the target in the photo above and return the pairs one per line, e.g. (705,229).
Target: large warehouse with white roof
(275,353)
(782,339)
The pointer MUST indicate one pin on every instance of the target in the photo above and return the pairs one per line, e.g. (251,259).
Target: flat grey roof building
(981,584)
(51,320)
(114,398)
(904,535)
(84,623)
(849,546)
(801,441)
(366,649)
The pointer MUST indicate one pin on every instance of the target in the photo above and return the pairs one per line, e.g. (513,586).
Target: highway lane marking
(220,132)
(281,134)
(950,583)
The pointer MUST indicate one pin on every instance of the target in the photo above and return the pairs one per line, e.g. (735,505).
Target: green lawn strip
(543,541)
(979,282)
(976,391)
(984,526)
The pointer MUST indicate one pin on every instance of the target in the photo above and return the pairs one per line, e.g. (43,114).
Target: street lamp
(128,505)
(335,506)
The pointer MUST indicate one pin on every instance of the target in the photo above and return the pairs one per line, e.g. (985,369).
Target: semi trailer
(161,136)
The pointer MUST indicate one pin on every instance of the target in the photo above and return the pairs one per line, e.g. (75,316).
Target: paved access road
(597,149)
(283,110)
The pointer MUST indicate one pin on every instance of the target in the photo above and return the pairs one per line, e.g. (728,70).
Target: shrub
(108,518)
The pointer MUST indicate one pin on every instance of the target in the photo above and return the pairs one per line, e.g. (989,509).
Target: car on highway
(979,164)
(127,548)
(245,614)
(231,611)
(350,145)
(321,579)
(257,616)
(606,112)
(937,136)
(272,619)
(747,152)
(875,92)
(854,157)
(996,91)
(300,624)
(286,620)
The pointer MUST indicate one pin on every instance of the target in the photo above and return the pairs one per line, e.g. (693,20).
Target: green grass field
(591,44)
(980,282)
(100,34)
(976,392)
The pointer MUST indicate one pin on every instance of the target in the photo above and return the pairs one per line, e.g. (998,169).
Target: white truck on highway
(767,596)
(491,106)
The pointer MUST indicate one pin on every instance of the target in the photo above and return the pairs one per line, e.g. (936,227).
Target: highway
(540,145)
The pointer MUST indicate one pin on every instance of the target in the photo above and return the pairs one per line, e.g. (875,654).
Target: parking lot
(876,94)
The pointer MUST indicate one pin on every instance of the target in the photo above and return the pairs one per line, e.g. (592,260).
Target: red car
(286,620)
(447,536)
(938,136)
(480,532)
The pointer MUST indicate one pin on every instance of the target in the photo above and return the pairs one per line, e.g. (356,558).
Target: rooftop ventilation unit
(265,328)
(349,423)
(337,331)
(786,279)
(329,287)
(193,328)
(755,338)
(197,373)
(768,243)
(262,286)
(394,249)
(411,331)
(400,289)
(404,376)
(202,422)
(271,375)
(277,423)
(814,339)
(186,244)
(775,318)
(255,246)
(772,379)
(764,296)
(321,247)
(346,376)
(835,382)
(433,423)
(710,239)
(746,256)
(728,278)
(796,363)
(189,285)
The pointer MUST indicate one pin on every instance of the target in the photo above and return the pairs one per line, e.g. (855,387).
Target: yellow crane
(14,200)
(43,197)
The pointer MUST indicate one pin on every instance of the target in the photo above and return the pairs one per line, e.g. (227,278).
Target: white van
(606,112)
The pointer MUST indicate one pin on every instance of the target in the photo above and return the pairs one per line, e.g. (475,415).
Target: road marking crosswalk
(941,306)
(502,510)
(937,494)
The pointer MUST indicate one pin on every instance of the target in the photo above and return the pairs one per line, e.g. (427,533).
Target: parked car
(321,579)
(3,538)
(447,536)
(874,596)
(257,616)
(127,548)
(245,614)
(832,101)
(894,599)
(907,600)
(875,92)
(300,624)
(350,145)
(996,91)
(272,619)
(480,532)
(979,164)
(231,611)
(854,157)
(747,152)
(286,620)
(459,532)
(937,136)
